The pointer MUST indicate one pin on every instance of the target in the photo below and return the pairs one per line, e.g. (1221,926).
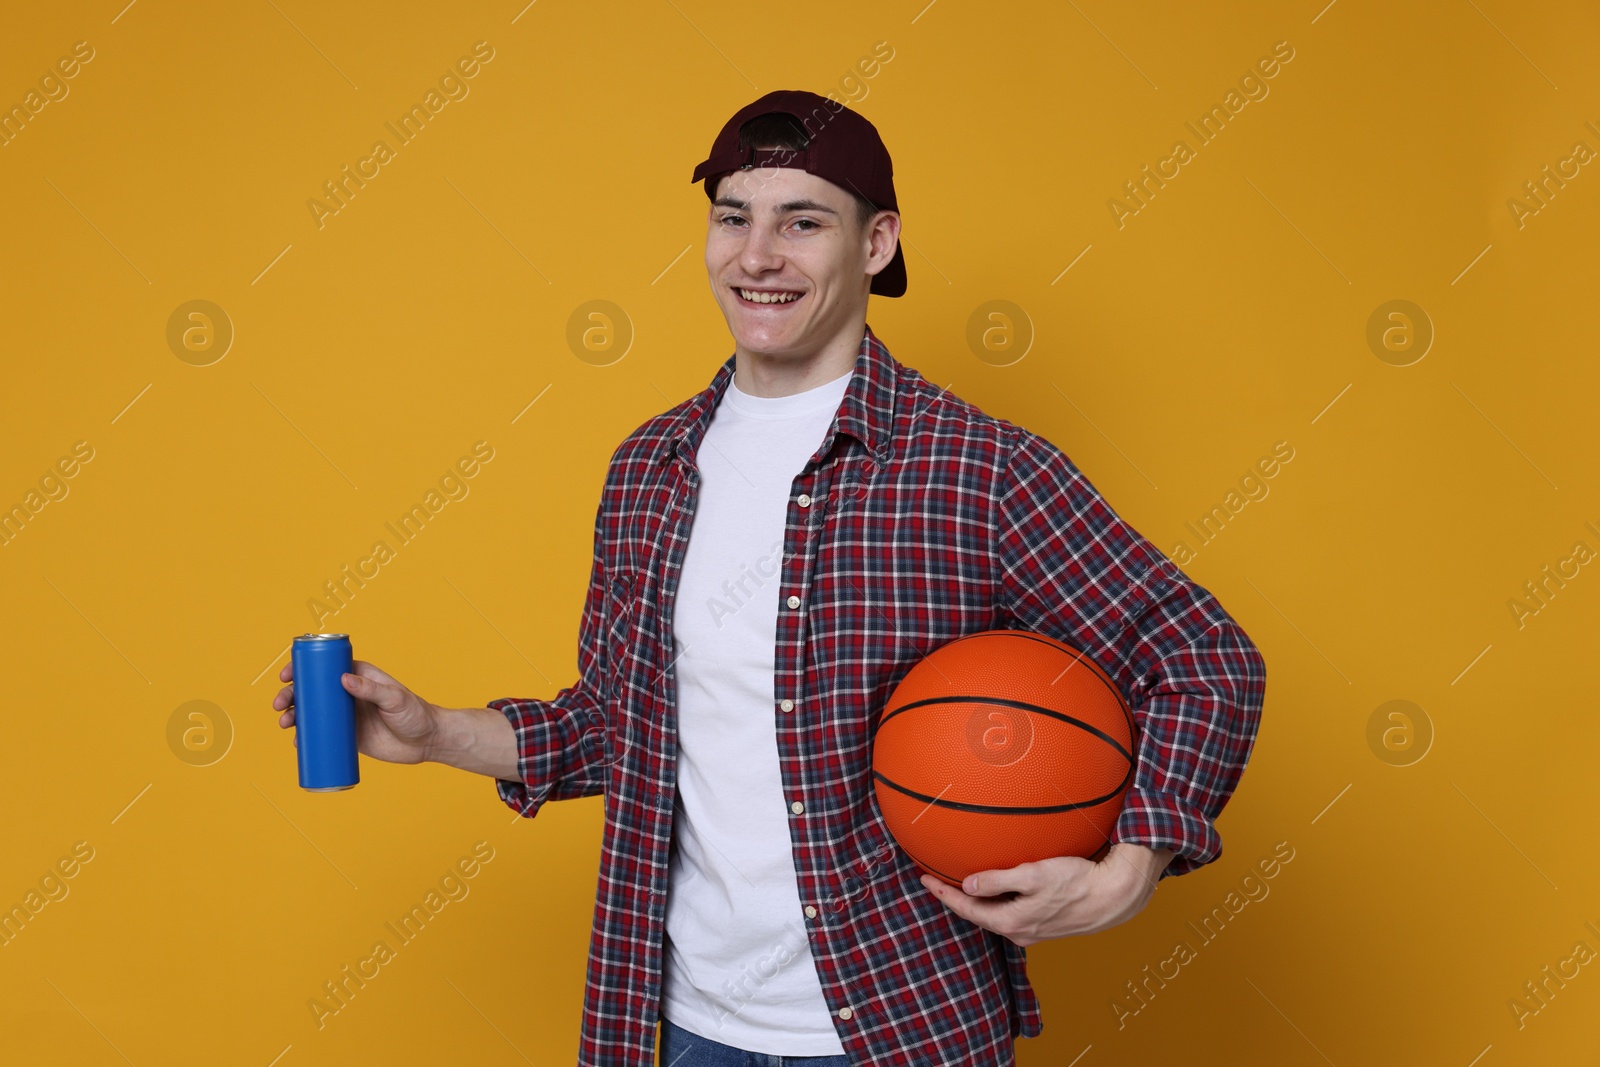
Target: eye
(808,222)
(731,218)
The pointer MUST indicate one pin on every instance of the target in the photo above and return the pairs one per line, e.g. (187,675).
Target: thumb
(366,670)
(386,694)
(1023,879)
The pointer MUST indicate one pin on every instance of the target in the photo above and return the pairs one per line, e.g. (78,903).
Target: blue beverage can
(324,713)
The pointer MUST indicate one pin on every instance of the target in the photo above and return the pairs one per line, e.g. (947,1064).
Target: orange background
(1228,314)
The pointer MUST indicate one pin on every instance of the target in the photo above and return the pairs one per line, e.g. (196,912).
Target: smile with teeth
(757,297)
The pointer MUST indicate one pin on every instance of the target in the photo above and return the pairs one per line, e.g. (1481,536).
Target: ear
(883,233)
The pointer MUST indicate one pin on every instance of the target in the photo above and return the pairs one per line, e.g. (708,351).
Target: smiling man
(791,257)
(772,556)
(832,519)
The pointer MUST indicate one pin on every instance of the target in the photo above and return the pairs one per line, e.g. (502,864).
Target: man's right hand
(392,723)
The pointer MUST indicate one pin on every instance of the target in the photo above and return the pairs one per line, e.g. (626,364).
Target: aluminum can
(324,713)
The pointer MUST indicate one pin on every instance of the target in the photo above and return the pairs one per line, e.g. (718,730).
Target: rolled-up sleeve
(1072,569)
(561,742)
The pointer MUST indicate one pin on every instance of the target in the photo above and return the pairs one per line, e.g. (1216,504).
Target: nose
(760,252)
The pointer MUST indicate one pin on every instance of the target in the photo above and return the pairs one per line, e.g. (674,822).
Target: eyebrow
(779,209)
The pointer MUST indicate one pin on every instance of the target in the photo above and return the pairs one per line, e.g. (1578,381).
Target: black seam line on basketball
(1077,658)
(996,809)
(931,869)
(1080,657)
(1058,646)
(1021,704)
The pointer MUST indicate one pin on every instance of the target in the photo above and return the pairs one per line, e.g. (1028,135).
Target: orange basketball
(1001,748)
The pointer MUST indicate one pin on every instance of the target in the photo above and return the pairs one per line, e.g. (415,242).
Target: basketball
(1000,748)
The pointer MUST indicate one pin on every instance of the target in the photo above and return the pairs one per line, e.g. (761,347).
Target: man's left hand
(1061,897)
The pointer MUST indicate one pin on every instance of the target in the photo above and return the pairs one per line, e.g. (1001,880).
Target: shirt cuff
(1161,820)
(522,715)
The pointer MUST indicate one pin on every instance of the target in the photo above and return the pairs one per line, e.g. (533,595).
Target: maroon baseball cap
(843,148)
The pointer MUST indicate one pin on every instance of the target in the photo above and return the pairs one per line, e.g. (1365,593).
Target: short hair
(778,130)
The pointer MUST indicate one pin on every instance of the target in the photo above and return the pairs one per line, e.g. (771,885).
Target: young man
(771,557)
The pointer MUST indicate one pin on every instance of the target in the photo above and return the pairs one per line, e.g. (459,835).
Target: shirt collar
(865,413)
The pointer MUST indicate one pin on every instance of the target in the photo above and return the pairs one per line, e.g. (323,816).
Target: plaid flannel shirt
(918,520)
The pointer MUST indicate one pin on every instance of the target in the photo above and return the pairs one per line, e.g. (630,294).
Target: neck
(784,374)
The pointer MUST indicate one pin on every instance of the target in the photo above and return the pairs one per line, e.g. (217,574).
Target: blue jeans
(683,1048)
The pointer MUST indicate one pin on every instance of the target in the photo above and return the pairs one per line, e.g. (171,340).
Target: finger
(952,895)
(952,898)
(367,670)
(284,699)
(1023,879)
(386,694)
(286,720)
(1031,878)
(287,674)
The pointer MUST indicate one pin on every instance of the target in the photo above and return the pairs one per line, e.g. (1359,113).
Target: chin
(762,340)
(761,344)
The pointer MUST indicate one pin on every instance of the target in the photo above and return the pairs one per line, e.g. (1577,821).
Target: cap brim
(891,280)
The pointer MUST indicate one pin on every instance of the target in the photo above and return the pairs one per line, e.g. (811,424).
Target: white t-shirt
(738,966)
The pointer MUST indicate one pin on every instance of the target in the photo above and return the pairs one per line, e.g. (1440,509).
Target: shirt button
(797,807)
(793,601)
(811,913)
(805,501)
(845,1013)
(786,704)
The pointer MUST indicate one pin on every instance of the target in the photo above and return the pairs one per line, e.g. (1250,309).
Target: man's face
(791,240)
